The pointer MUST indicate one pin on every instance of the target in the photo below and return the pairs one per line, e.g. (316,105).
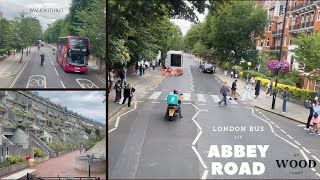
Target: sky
(186,25)
(86,103)
(11,9)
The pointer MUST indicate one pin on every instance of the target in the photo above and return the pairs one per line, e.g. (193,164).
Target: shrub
(3,51)
(56,147)
(287,82)
(38,153)
(15,159)
(2,107)
(225,64)
(295,92)
(237,67)
(253,73)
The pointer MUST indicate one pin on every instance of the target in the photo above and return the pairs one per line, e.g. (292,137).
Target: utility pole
(275,91)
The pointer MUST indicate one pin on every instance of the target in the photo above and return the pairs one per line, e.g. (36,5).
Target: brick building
(302,16)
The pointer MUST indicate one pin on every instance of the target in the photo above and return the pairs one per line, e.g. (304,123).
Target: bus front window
(77,60)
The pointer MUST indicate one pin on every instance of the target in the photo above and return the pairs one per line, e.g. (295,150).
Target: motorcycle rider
(42,58)
(176,91)
(39,47)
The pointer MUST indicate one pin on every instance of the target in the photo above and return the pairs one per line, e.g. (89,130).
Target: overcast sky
(86,103)
(186,25)
(11,9)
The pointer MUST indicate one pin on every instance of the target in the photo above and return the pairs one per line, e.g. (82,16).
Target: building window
(316,85)
(293,21)
(295,3)
(302,19)
(268,41)
(311,17)
(261,43)
(318,14)
(269,27)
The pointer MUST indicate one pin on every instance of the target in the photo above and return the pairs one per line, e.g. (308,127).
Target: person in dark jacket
(122,76)
(224,91)
(257,88)
(309,105)
(117,87)
(285,96)
(128,93)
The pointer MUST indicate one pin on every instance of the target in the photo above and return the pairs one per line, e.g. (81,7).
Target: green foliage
(237,67)
(87,130)
(24,126)
(56,147)
(2,107)
(308,50)
(225,65)
(44,139)
(287,82)
(253,73)
(38,153)
(15,159)
(3,51)
(18,111)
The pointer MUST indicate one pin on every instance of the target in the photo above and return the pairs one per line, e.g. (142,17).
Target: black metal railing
(279,31)
(301,26)
(274,47)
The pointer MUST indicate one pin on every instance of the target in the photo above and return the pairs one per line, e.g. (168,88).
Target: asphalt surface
(142,144)
(51,74)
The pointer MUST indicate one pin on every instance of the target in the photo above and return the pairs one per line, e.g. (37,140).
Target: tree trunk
(21,56)
(30,49)
(27,51)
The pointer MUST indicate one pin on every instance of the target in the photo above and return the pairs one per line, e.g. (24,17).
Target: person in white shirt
(246,92)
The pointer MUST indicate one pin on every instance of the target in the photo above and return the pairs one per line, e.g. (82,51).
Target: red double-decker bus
(73,53)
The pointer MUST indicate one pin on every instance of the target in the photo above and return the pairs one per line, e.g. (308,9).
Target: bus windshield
(77,59)
(78,44)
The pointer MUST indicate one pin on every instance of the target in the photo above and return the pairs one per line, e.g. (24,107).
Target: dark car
(207,67)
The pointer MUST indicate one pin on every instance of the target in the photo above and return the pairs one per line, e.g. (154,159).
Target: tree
(93,25)
(307,51)
(228,29)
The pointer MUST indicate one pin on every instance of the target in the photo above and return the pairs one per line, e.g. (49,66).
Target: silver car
(207,67)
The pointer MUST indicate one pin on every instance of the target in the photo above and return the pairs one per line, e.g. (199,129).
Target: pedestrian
(315,119)
(257,88)
(224,91)
(111,78)
(117,87)
(137,68)
(122,76)
(231,73)
(128,93)
(153,63)
(81,149)
(309,105)
(234,90)
(285,97)
(246,92)
(252,81)
(235,73)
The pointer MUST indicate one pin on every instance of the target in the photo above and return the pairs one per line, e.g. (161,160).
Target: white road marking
(111,130)
(86,83)
(186,96)
(196,121)
(215,98)
(306,158)
(306,150)
(118,118)
(37,82)
(287,141)
(196,139)
(289,136)
(318,174)
(277,126)
(271,122)
(314,157)
(19,74)
(297,142)
(201,98)
(186,103)
(301,125)
(202,104)
(117,122)
(155,95)
(51,62)
(244,102)
(156,102)
(195,106)
(62,84)
(205,174)
(283,131)
(199,157)
(56,70)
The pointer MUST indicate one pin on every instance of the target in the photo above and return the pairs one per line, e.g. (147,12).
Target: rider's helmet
(176,91)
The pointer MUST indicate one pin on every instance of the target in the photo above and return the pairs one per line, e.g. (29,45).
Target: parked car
(207,67)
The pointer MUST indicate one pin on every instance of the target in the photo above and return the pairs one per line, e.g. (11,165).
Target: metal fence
(33,177)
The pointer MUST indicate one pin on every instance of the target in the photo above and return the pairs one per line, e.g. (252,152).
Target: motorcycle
(172,112)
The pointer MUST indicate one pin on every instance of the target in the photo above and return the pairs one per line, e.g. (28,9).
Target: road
(144,145)
(51,75)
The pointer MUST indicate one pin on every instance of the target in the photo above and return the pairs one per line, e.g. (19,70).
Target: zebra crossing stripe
(232,101)
(155,95)
(215,98)
(201,98)
(186,96)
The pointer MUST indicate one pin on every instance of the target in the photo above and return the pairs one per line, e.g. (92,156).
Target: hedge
(296,92)
(3,51)
(252,73)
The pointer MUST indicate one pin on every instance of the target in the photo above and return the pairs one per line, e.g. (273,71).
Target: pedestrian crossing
(200,98)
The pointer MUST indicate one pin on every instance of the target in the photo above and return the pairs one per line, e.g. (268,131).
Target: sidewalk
(11,66)
(294,111)
(140,83)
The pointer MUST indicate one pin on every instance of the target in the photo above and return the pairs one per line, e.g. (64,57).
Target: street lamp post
(90,157)
(275,91)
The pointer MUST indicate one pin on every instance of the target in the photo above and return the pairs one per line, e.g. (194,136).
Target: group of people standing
(119,86)
(314,107)
(143,66)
